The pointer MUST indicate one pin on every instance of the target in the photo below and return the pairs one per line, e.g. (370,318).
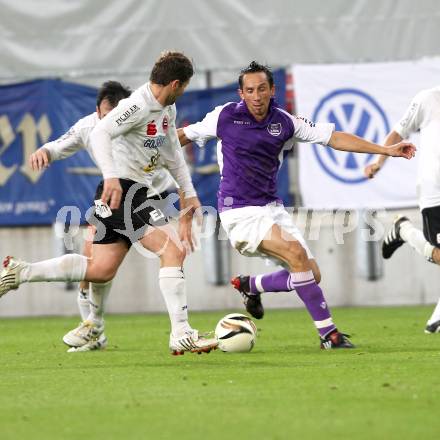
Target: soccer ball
(236,333)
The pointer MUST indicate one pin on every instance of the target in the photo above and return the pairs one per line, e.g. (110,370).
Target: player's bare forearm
(182,137)
(348,142)
(340,140)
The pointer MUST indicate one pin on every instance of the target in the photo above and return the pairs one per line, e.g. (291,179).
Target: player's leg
(403,231)
(83,291)
(105,260)
(424,243)
(165,243)
(246,228)
(431,231)
(278,281)
(82,298)
(278,244)
(433,324)
(69,267)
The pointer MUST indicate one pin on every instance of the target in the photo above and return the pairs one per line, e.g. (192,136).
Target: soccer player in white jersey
(145,124)
(252,136)
(423,114)
(77,139)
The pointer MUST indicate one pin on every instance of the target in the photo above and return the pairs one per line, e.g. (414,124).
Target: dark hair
(254,67)
(171,66)
(113,91)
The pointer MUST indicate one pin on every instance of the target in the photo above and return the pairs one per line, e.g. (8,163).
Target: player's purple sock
(271,282)
(313,298)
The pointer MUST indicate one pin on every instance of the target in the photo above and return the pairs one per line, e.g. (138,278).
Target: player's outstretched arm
(340,140)
(372,169)
(61,148)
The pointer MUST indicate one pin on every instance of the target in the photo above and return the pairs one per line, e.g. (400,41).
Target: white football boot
(94,344)
(193,342)
(10,275)
(86,332)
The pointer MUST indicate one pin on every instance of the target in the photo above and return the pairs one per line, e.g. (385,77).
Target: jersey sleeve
(201,132)
(67,144)
(308,131)
(413,117)
(125,116)
(172,155)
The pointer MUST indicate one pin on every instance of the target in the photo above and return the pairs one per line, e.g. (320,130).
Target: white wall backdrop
(91,41)
(407,277)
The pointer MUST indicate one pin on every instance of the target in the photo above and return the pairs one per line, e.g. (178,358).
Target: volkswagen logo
(355,112)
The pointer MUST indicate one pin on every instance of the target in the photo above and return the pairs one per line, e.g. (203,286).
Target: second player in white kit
(422,115)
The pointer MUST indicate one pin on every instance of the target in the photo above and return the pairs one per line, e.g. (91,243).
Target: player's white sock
(173,287)
(83,303)
(435,314)
(415,238)
(98,293)
(69,267)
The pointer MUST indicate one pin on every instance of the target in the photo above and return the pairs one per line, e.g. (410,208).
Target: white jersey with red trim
(423,114)
(147,134)
(78,138)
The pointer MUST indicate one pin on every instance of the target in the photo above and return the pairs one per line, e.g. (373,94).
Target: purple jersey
(250,152)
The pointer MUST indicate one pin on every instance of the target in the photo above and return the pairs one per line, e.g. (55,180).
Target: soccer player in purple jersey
(252,136)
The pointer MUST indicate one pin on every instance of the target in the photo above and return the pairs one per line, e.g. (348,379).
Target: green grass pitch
(286,388)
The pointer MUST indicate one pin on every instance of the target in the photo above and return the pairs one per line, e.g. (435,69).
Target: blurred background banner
(35,112)
(366,99)
(192,107)
(31,114)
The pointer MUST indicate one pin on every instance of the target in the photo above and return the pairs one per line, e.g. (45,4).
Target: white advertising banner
(366,100)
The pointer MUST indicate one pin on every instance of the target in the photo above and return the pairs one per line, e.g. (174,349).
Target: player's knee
(297,255)
(174,255)
(101,274)
(107,275)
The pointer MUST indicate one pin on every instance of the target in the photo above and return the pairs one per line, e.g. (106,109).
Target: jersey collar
(155,103)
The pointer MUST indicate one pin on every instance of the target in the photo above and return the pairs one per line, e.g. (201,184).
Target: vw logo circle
(353,111)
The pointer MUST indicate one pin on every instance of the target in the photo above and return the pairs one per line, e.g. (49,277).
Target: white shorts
(246,227)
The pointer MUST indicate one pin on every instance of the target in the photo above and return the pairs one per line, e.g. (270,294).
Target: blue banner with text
(35,112)
(32,114)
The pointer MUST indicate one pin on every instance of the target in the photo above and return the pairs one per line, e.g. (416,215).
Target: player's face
(104,108)
(176,90)
(256,94)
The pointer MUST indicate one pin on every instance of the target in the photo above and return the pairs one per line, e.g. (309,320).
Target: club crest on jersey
(165,124)
(274,129)
(151,129)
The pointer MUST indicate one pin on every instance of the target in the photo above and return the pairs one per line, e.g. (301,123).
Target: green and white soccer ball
(236,333)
